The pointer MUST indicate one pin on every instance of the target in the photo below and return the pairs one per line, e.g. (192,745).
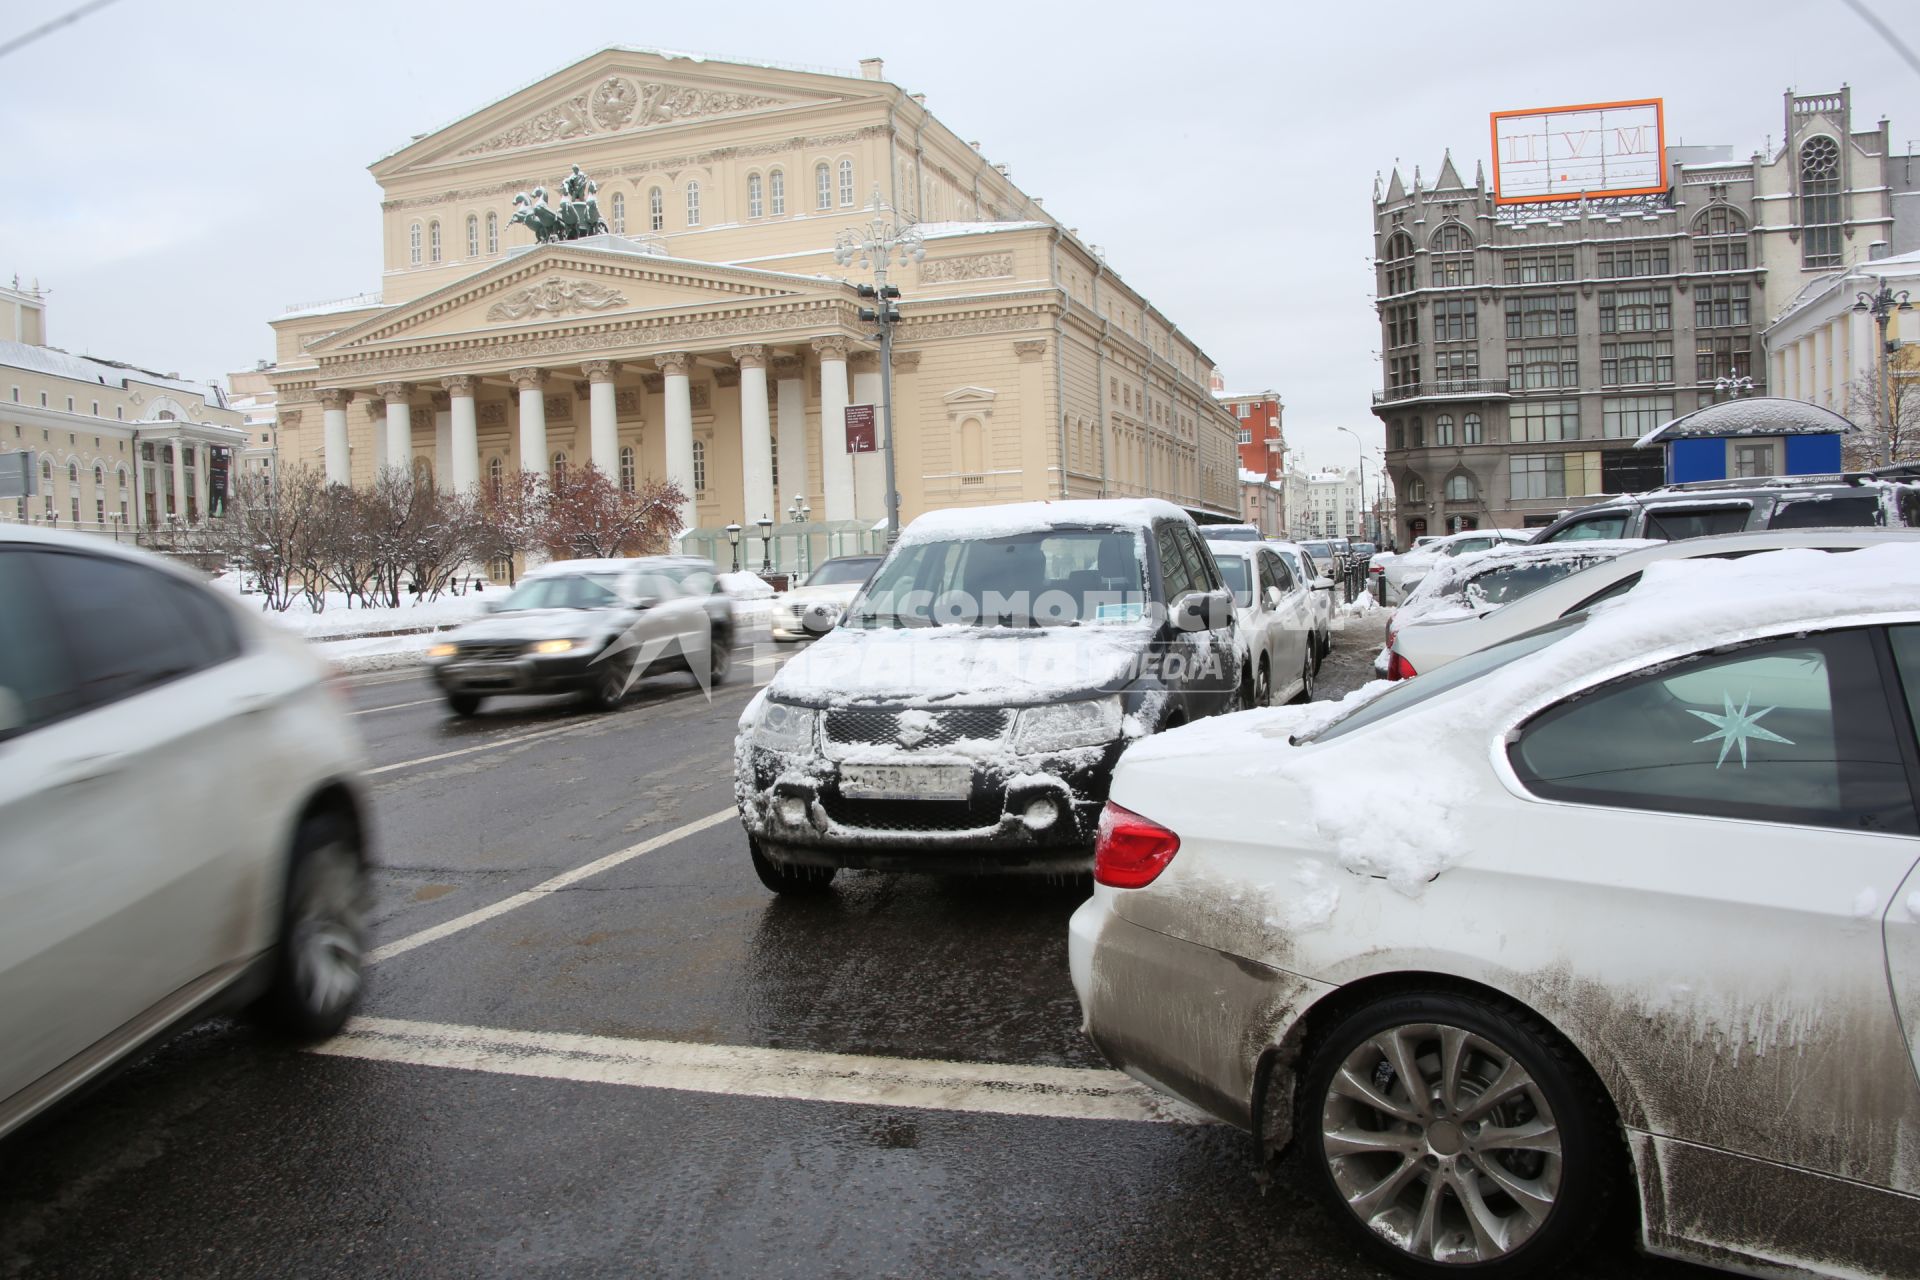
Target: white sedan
(1480,600)
(1274,616)
(182,816)
(1403,573)
(1625,909)
(1320,590)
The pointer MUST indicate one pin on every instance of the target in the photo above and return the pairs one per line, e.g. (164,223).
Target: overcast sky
(178,172)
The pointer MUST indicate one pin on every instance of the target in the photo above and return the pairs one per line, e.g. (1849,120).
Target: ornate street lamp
(875,246)
(766,542)
(798,513)
(1733,385)
(1881,305)
(733,536)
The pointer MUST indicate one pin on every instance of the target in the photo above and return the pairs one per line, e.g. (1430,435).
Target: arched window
(496,474)
(413,244)
(120,487)
(1397,433)
(972,447)
(1820,202)
(1416,434)
(822,186)
(1459,487)
(1416,489)
(1470,429)
(1452,238)
(1399,264)
(619,213)
(1719,239)
(626,469)
(846,183)
(693,204)
(1443,429)
(73,476)
(473,235)
(773,459)
(560,467)
(656,210)
(493,234)
(699,466)
(777,193)
(99,482)
(433,240)
(1453,257)
(756,197)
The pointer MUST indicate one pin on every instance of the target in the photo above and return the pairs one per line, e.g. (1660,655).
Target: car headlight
(783,727)
(553,646)
(1067,724)
(442,650)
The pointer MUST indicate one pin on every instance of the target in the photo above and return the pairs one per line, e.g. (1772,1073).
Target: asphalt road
(594,1045)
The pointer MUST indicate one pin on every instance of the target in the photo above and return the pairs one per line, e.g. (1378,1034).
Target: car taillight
(1398,668)
(1131,850)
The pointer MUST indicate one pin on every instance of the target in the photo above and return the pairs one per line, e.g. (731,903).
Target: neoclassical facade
(710,337)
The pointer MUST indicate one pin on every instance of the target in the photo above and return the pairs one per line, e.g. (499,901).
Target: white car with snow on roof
(966,713)
(1274,616)
(1625,909)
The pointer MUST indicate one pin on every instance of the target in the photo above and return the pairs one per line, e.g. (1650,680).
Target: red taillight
(1131,850)
(1398,668)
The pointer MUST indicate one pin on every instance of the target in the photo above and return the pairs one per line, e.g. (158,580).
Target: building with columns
(120,450)
(710,338)
(1825,349)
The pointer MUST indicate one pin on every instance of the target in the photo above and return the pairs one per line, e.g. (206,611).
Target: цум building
(710,338)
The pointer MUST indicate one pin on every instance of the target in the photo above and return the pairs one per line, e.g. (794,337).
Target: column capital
(600,370)
(751,356)
(287,418)
(864,361)
(788,367)
(460,384)
(1030,349)
(831,348)
(528,379)
(333,397)
(906,361)
(393,390)
(675,364)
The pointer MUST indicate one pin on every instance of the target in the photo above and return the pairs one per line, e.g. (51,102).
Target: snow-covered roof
(106,373)
(1755,416)
(1031,517)
(358,302)
(943,230)
(1442,594)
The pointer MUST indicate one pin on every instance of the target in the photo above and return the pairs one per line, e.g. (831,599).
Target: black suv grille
(917,730)
(490,651)
(908,815)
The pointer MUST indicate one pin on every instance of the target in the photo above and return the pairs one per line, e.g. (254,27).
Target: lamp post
(1881,305)
(1363,476)
(1733,385)
(797,514)
(766,542)
(733,536)
(874,246)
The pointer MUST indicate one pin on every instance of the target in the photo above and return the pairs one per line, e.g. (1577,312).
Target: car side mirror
(1323,583)
(1204,610)
(1274,597)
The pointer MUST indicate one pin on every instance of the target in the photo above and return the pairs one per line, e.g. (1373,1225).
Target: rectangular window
(1627,363)
(1539,420)
(1545,316)
(1403,325)
(1626,262)
(1716,306)
(1751,460)
(1456,365)
(1636,311)
(1537,368)
(1719,253)
(1728,357)
(1632,470)
(1452,271)
(1630,417)
(1539,269)
(1553,475)
(1455,320)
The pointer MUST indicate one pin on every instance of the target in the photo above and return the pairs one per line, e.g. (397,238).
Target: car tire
(719,657)
(790,881)
(1402,1174)
(1263,684)
(320,957)
(1309,667)
(464,704)
(607,686)
(1322,645)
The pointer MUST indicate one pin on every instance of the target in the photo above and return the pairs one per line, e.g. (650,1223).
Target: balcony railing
(1448,387)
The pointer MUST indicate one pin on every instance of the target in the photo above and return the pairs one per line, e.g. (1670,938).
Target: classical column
(442,441)
(464,446)
(203,480)
(398,396)
(180,479)
(869,469)
(603,417)
(909,466)
(533,419)
(333,405)
(789,374)
(139,485)
(836,464)
(756,437)
(674,368)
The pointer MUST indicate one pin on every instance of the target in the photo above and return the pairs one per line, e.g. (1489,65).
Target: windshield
(1411,693)
(564,591)
(833,573)
(1506,583)
(1229,533)
(1233,570)
(1053,577)
(1322,550)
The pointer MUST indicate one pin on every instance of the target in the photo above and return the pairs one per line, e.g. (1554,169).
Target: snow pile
(1455,589)
(746,586)
(1360,605)
(1035,517)
(1309,901)
(961,666)
(337,622)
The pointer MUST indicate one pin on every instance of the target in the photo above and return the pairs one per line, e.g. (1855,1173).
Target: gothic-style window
(473,235)
(846,182)
(626,469)
(1470,429)
(656,210)
(693,204)
(619,213)
(413,244)
(1459,488)
(493,233)
(1399,263)
(1453,260)
(756,196)
(1820,202)
(699,466)
(1719,240)
(777,193)
(822,186)
(1416,490)
(433,240)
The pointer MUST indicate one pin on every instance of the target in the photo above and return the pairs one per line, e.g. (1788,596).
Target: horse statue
(533,213)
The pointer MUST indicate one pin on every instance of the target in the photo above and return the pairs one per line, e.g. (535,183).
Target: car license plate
(906,781)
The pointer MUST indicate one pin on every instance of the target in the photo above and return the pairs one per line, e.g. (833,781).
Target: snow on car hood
(837,592)
(534,624)
(962,666)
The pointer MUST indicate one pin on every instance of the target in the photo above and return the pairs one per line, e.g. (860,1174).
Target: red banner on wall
(860,431)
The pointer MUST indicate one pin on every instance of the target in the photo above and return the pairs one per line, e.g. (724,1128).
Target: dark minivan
(1889,497)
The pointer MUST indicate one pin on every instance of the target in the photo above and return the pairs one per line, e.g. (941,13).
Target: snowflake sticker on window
(1737,728)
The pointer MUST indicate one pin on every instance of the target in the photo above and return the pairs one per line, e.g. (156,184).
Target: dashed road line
(1072,1093)
(367,711)
(493,745)
(546,887)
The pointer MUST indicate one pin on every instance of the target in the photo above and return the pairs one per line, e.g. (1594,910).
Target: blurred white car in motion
(814,607)
(181,816)
(1629,903)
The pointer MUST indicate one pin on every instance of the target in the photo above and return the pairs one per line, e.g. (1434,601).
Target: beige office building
(711,338)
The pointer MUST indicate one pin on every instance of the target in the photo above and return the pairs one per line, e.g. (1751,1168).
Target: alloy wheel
(326,940)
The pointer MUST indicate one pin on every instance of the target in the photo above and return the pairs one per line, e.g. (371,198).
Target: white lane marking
(494,745)
(755,1072)
(545,887)
(367,711)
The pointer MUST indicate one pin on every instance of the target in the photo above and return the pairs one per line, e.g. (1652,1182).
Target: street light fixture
(1881,305)
(875,246)
(1733,385)
(766,542)
(798,513)
(1363,479)
(733,536)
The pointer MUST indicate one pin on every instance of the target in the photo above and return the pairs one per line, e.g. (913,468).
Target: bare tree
(265,527)
(512,519)
(1887,411)
(588,515)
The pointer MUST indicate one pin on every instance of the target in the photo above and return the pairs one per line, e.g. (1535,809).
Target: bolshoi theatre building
(708,334)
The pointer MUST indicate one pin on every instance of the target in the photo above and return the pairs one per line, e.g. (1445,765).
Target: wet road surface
(658,1068)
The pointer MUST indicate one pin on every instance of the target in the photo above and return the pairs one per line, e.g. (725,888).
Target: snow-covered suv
(967,712)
